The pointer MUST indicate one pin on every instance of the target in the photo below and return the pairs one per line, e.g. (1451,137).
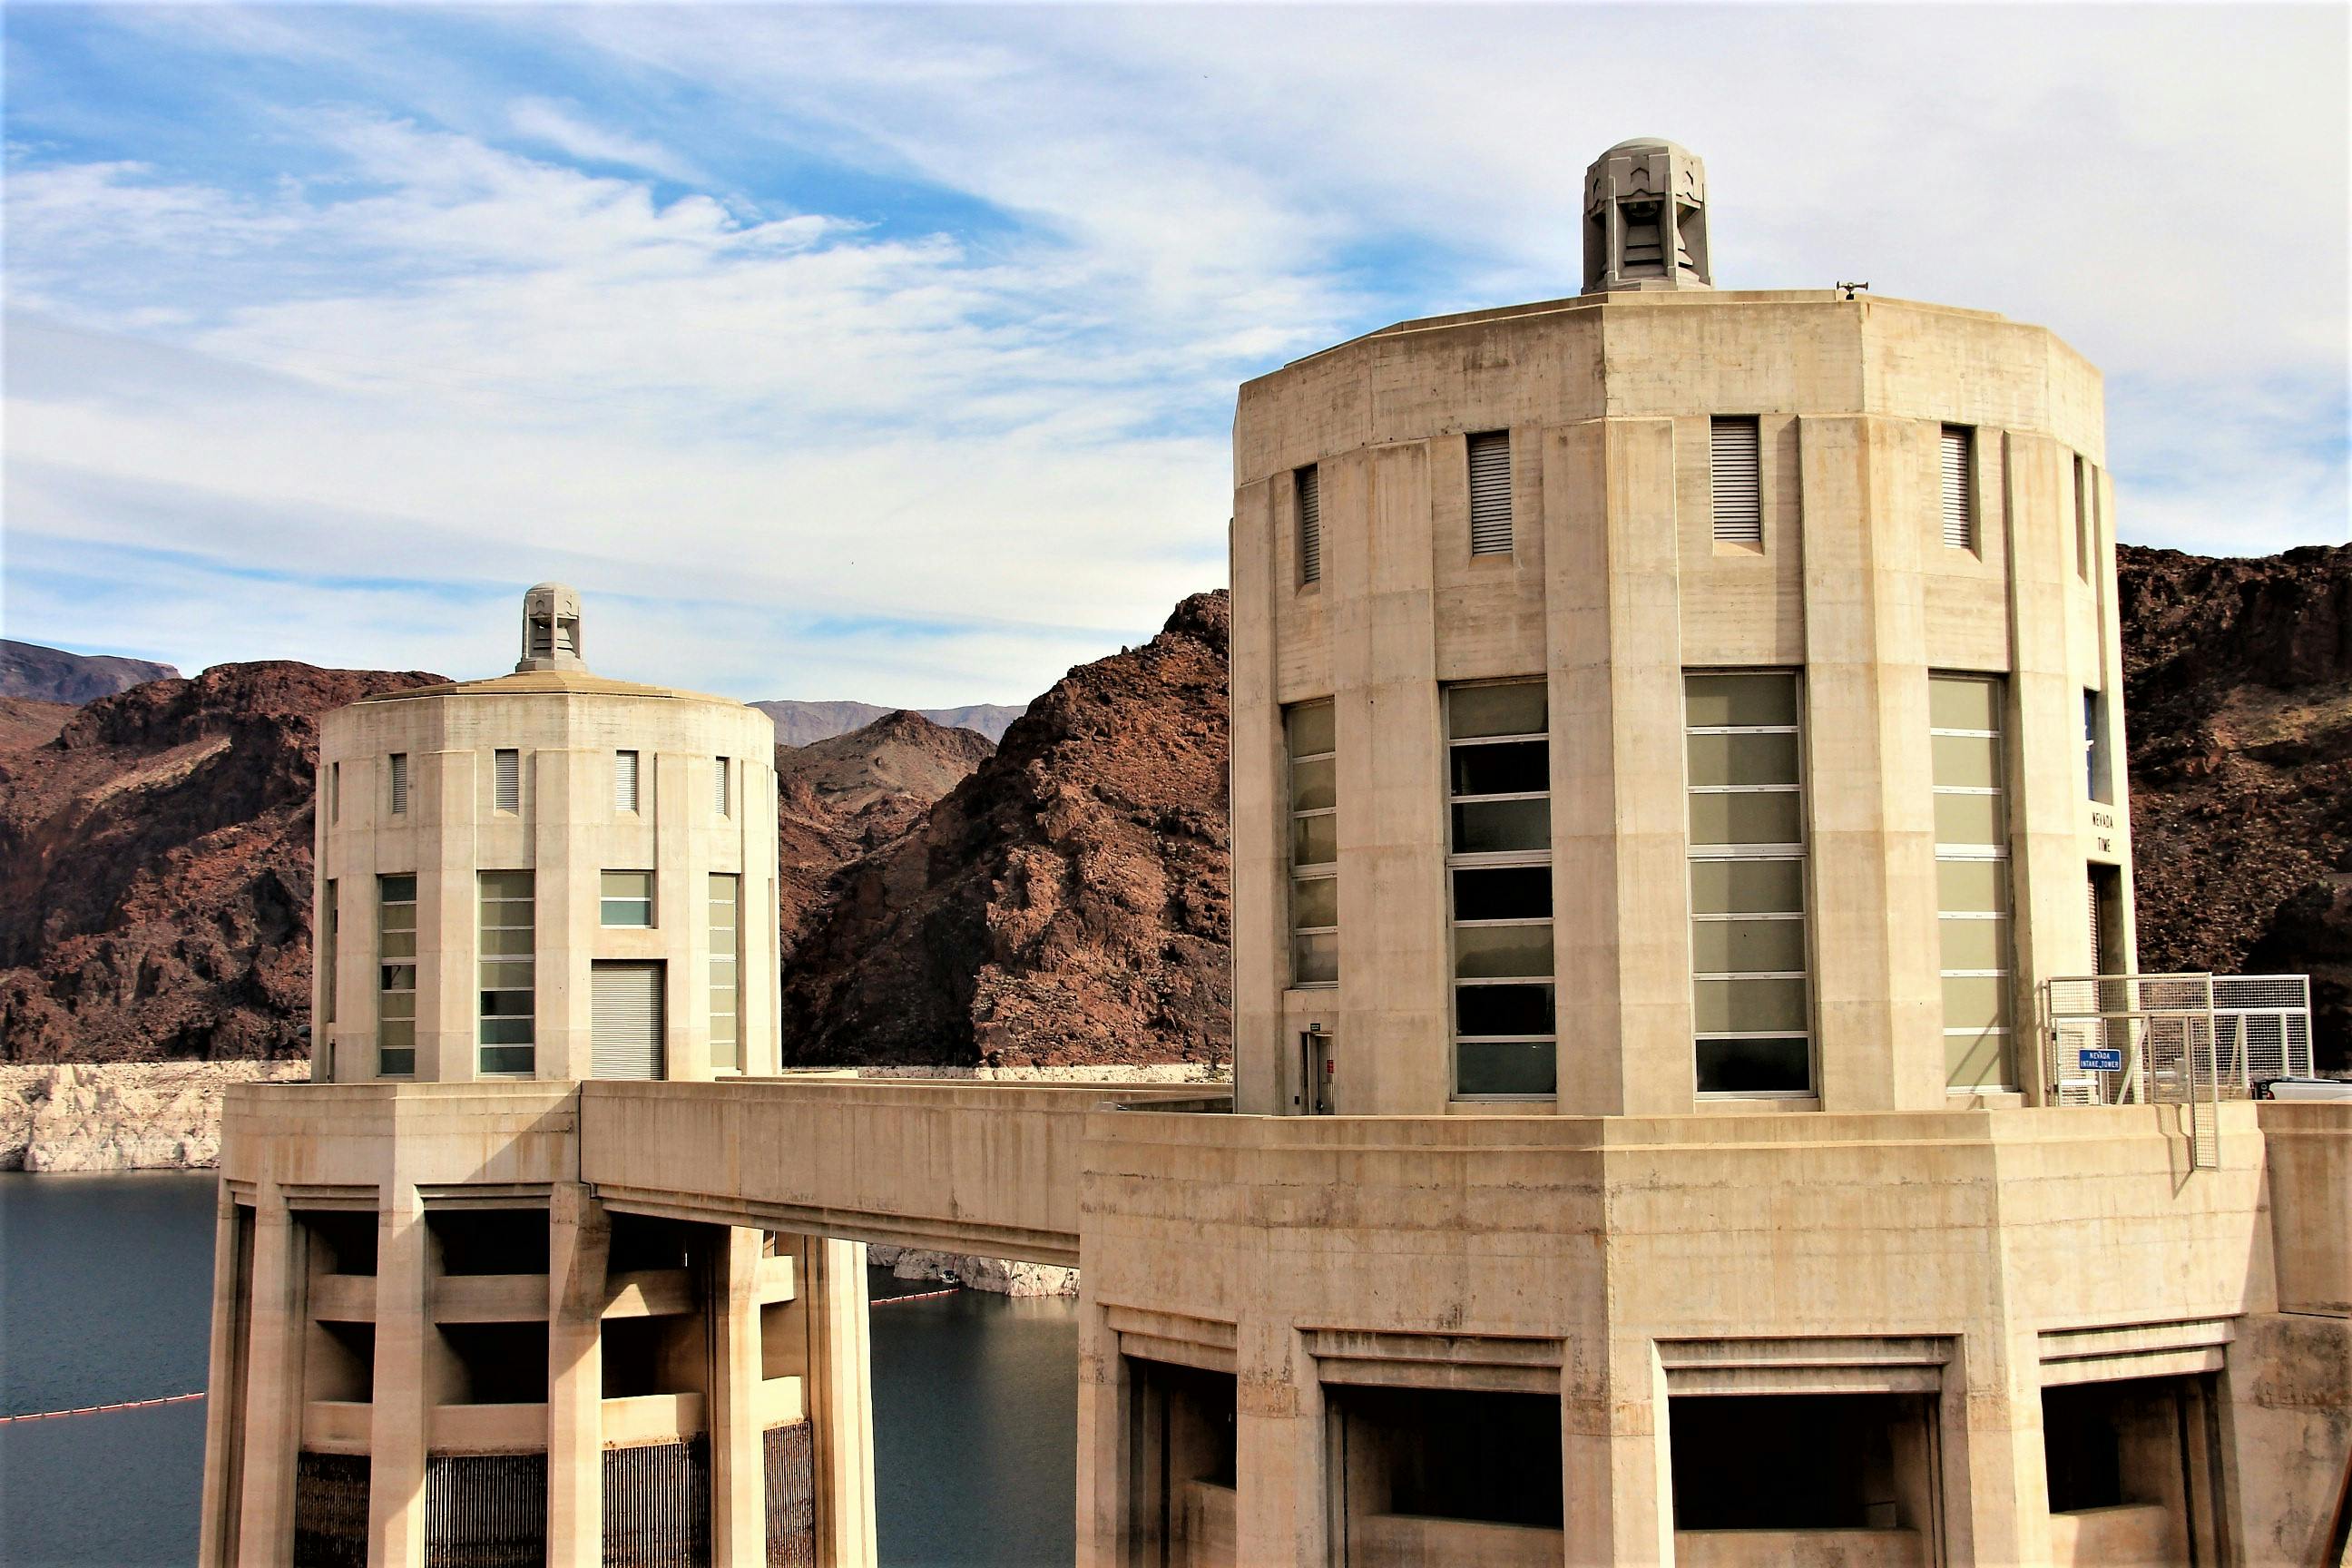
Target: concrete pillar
(580,1239)
(682,799)
(1870,487)
(840,1391)
(1261,967)
(273,1386)
(739,1514)
(1996,1489)
(400,1424)
(1619,882)
(224,1410)
(1616,1468)
(1281,1512)
(449,920)
(1106,1434)
(567,786)
(1392,1052)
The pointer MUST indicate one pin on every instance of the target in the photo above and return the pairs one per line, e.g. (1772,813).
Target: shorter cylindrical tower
(546,875)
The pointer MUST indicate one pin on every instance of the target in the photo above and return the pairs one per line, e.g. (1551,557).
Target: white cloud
(551,124)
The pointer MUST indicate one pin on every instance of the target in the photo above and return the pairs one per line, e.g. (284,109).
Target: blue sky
(889,352)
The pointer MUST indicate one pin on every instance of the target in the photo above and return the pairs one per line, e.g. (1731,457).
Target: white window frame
(1996,853)
(1495,859)
(1318,873)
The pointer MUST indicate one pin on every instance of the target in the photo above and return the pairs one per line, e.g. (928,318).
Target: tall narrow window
(1751,992)
(1960,451)
(1313,845)
(721,784)
(2095,750)
(330,928)
(395,1001)
(1498,766)
(1490,493)
(506,771)
(510,993)
(334,791)
(625,781)
(726,929)
(1310,524)
(399,784)
(2081,519)
(1972,881)
(1736,480)
(627,899)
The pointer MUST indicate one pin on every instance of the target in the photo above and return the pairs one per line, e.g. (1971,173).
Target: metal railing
(2192,1040)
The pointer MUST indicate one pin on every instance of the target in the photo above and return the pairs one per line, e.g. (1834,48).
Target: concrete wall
(568,833)
(1614,587)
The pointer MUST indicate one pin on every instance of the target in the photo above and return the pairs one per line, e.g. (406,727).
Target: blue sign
(2101,1059)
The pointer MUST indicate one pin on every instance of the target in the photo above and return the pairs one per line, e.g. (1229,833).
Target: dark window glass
(1506,893)
(1753,1067)
(1505,1067)
(1502,826)
(1502,1009)
(1521,767)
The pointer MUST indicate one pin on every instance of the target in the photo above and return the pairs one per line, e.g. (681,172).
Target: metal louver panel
(1735,472)
(508,769)
(719,788)
(399,782)
(1310,525)
(1490,493)
(1960,515)
(626,1021)
(2098,946)
(625,781)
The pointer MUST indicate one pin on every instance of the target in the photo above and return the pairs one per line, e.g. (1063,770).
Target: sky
(890,352)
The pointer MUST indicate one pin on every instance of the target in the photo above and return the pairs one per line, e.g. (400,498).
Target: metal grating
(484,1510)
(1736,478)
(1310,524)
(331,1511)
(1490,493)
(1959,469)
(657,1505)
(788,1456)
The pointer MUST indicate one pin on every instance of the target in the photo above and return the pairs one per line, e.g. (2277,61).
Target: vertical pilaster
(273,1390)
(681,798)
(400,1425)
(841,1402)
(569,785)
(449,920)
(738,1519)
(1620,886)
(1105,1435)
(1616,1477)
(224,1410)
(580,1240)
(1283,1509)
(1996,1489)
(1869,488)
(1260,877)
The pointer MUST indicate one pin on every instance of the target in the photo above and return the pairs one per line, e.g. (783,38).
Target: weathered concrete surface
(126,1116)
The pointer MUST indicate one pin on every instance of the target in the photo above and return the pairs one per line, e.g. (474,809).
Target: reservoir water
(106,1288)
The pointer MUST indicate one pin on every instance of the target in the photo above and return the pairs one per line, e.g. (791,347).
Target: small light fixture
(1848,290)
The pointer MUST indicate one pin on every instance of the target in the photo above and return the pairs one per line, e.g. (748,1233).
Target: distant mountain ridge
(42,674)
(805,724)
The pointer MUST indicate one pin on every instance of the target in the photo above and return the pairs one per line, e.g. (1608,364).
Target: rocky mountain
(1066,904)
(155,866)
(2238,704)
(804,723)
(52,675)
(843,798)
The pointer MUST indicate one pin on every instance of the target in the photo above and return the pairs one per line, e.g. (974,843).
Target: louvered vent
(508,770)
(1310,524)
(625,781)
(719,802)
(399,784)
(1735,471)
(1960,470)
(1490,493)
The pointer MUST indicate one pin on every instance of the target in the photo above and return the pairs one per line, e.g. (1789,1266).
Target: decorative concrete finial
(550,629)
(1645,218)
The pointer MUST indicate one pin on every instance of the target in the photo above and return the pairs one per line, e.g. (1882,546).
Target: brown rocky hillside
(1068,903)
(2238,703)
(155,868)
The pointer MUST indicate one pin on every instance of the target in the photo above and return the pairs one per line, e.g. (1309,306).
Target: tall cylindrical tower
(546,875)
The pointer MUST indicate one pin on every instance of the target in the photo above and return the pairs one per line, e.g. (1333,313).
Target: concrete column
(682,799)
(400,1425)
(739,1514)
(1282,1512)
(1616,1468)
(1870,489)
(1105,1437)
(580,1239)
(224,1410)
(449,920)
(2119,838)
(1620,881)
(841,1402)
(566,786)
(1392,1051)
(1260,850)
(273,1387)
(1996,1487)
